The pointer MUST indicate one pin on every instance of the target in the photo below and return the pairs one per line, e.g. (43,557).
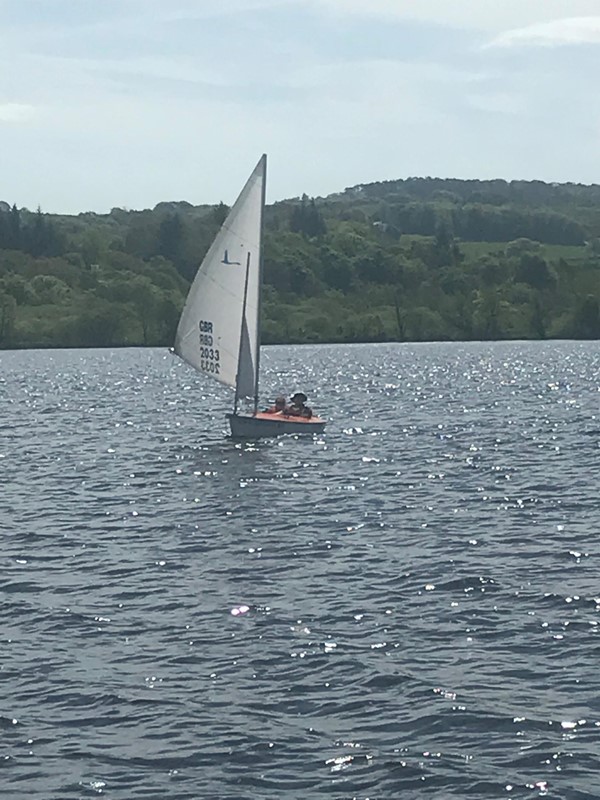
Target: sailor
(298,407)
(278,407)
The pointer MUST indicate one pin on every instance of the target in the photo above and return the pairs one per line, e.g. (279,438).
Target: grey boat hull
(251,426)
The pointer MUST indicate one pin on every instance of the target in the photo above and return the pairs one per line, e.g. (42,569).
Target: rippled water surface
(406,607)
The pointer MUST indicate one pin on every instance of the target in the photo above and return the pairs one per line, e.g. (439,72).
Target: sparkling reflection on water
(406,606)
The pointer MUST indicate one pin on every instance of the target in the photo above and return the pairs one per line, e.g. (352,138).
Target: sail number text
(209,356)
(206,331)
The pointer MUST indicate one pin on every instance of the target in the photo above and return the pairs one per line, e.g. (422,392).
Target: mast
(242,326)
(260,276)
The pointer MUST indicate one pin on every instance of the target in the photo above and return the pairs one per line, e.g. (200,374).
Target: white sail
(212,334)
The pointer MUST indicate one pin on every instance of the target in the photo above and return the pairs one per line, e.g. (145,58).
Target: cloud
(16,112)
(573,30)
(133,102)
(489,15)
(182,10)
(498,102)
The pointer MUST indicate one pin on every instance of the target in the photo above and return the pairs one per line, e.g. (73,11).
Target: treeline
(405,260)
(31,233)
(478,223)
(531,194)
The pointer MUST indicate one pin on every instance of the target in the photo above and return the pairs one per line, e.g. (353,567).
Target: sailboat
(219,329)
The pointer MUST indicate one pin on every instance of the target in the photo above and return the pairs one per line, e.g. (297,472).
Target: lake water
(406,607)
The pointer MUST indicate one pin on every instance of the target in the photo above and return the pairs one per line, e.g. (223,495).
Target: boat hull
(258,425)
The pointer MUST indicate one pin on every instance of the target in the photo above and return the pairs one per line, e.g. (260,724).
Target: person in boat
(278,407)
(298,407)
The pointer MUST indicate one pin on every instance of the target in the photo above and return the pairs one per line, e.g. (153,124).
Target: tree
(40,237)
(302,280)
(49,289)
(492,271)
(520,246)
(145,300)
(219,214)
(14,229)
(170,237)
(337,270)
(486,317)
(586,318)
(424,324)
(101,325)
(93,246)
(8,315)
(534,271)
(446,250)
(307,219)
(141,238)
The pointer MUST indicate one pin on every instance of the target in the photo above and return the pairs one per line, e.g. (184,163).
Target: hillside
(416,259)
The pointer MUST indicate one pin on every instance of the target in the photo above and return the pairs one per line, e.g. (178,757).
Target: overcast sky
(130,102)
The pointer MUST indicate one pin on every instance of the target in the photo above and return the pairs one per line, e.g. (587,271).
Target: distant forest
(406,260)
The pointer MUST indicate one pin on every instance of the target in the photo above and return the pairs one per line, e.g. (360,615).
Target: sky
(127,103)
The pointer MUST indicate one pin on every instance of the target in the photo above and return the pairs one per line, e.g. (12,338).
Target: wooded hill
(417,259)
